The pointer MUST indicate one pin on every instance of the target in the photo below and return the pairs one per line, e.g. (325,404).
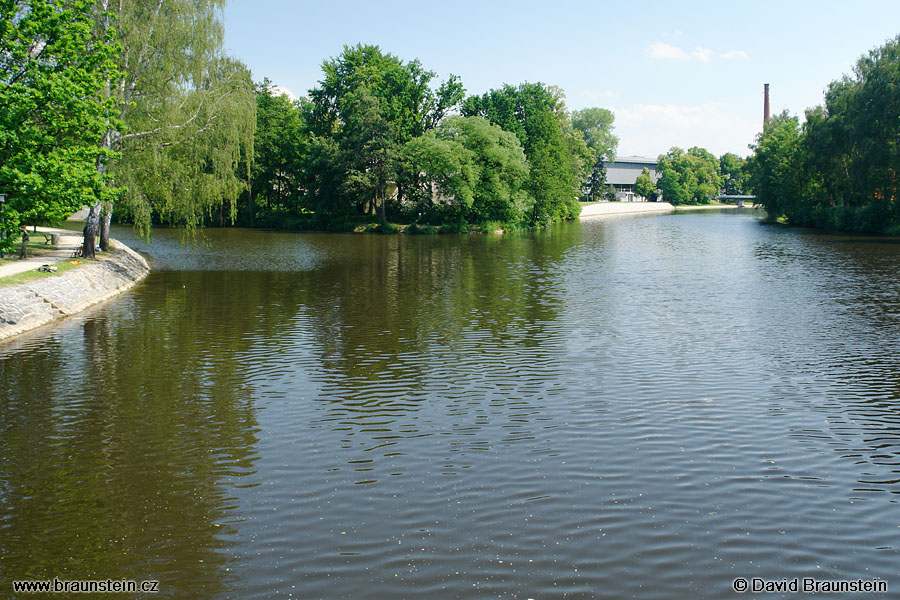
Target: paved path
(69,241)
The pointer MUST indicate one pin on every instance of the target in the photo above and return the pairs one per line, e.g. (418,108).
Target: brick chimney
(765,105)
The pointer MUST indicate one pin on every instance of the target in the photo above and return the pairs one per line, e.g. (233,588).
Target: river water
(633,407)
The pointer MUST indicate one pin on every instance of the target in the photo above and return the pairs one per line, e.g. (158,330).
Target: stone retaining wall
(30,305)
(600,209)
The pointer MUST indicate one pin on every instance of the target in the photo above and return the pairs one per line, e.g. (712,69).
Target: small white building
(623,172)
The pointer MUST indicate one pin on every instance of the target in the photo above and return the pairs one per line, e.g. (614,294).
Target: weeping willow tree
(187,116)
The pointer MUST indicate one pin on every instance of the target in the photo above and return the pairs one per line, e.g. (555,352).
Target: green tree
(705,168)
(534,113)
(501,170)
(840,169)
(52,76)
(596,126)
(472,169)
(688,177)
(595,188)
(673,190)
(644,185)
(279,151)
(369,150)
(773,166)
(188,114)
(610,193)
(366,87)
(447,175)
(731,166)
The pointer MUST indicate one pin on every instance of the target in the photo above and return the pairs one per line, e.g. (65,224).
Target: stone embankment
(602,209)
(30,305)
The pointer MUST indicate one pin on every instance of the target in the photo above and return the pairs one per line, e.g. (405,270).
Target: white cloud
(651,129)
(669,52)
(734,55)
(664,50)
(278,90)
(703,54)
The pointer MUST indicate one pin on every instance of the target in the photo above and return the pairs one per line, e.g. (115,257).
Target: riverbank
(602,209)
(30,305)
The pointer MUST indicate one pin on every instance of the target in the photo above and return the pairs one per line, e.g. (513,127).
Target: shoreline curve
(31,305)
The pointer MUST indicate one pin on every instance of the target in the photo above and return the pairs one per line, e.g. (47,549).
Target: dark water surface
(639,407)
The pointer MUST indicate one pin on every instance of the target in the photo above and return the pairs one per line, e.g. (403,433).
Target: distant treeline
(840,168)
(376,141)
(692,177)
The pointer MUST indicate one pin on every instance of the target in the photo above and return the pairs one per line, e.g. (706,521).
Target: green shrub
(459,226)
(417,229)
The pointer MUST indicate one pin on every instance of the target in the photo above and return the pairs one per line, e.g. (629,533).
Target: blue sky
(674,73)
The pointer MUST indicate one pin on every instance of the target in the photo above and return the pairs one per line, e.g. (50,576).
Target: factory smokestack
(765,105)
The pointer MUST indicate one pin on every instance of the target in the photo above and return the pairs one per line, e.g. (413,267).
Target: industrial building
(624,171)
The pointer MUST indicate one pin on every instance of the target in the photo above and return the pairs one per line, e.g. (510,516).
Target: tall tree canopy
(188,111)
(731,167)
(690,177)
(840,170)
(52,76)
(537,116)
(472,167)
(596,126)
(367,106)
(279,149)
(773,168)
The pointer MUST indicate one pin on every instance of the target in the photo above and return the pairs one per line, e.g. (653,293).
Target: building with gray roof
(623,172)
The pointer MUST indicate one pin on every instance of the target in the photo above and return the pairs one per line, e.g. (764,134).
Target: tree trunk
(105,220)
(90,231)
(250,204)
(95,219)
